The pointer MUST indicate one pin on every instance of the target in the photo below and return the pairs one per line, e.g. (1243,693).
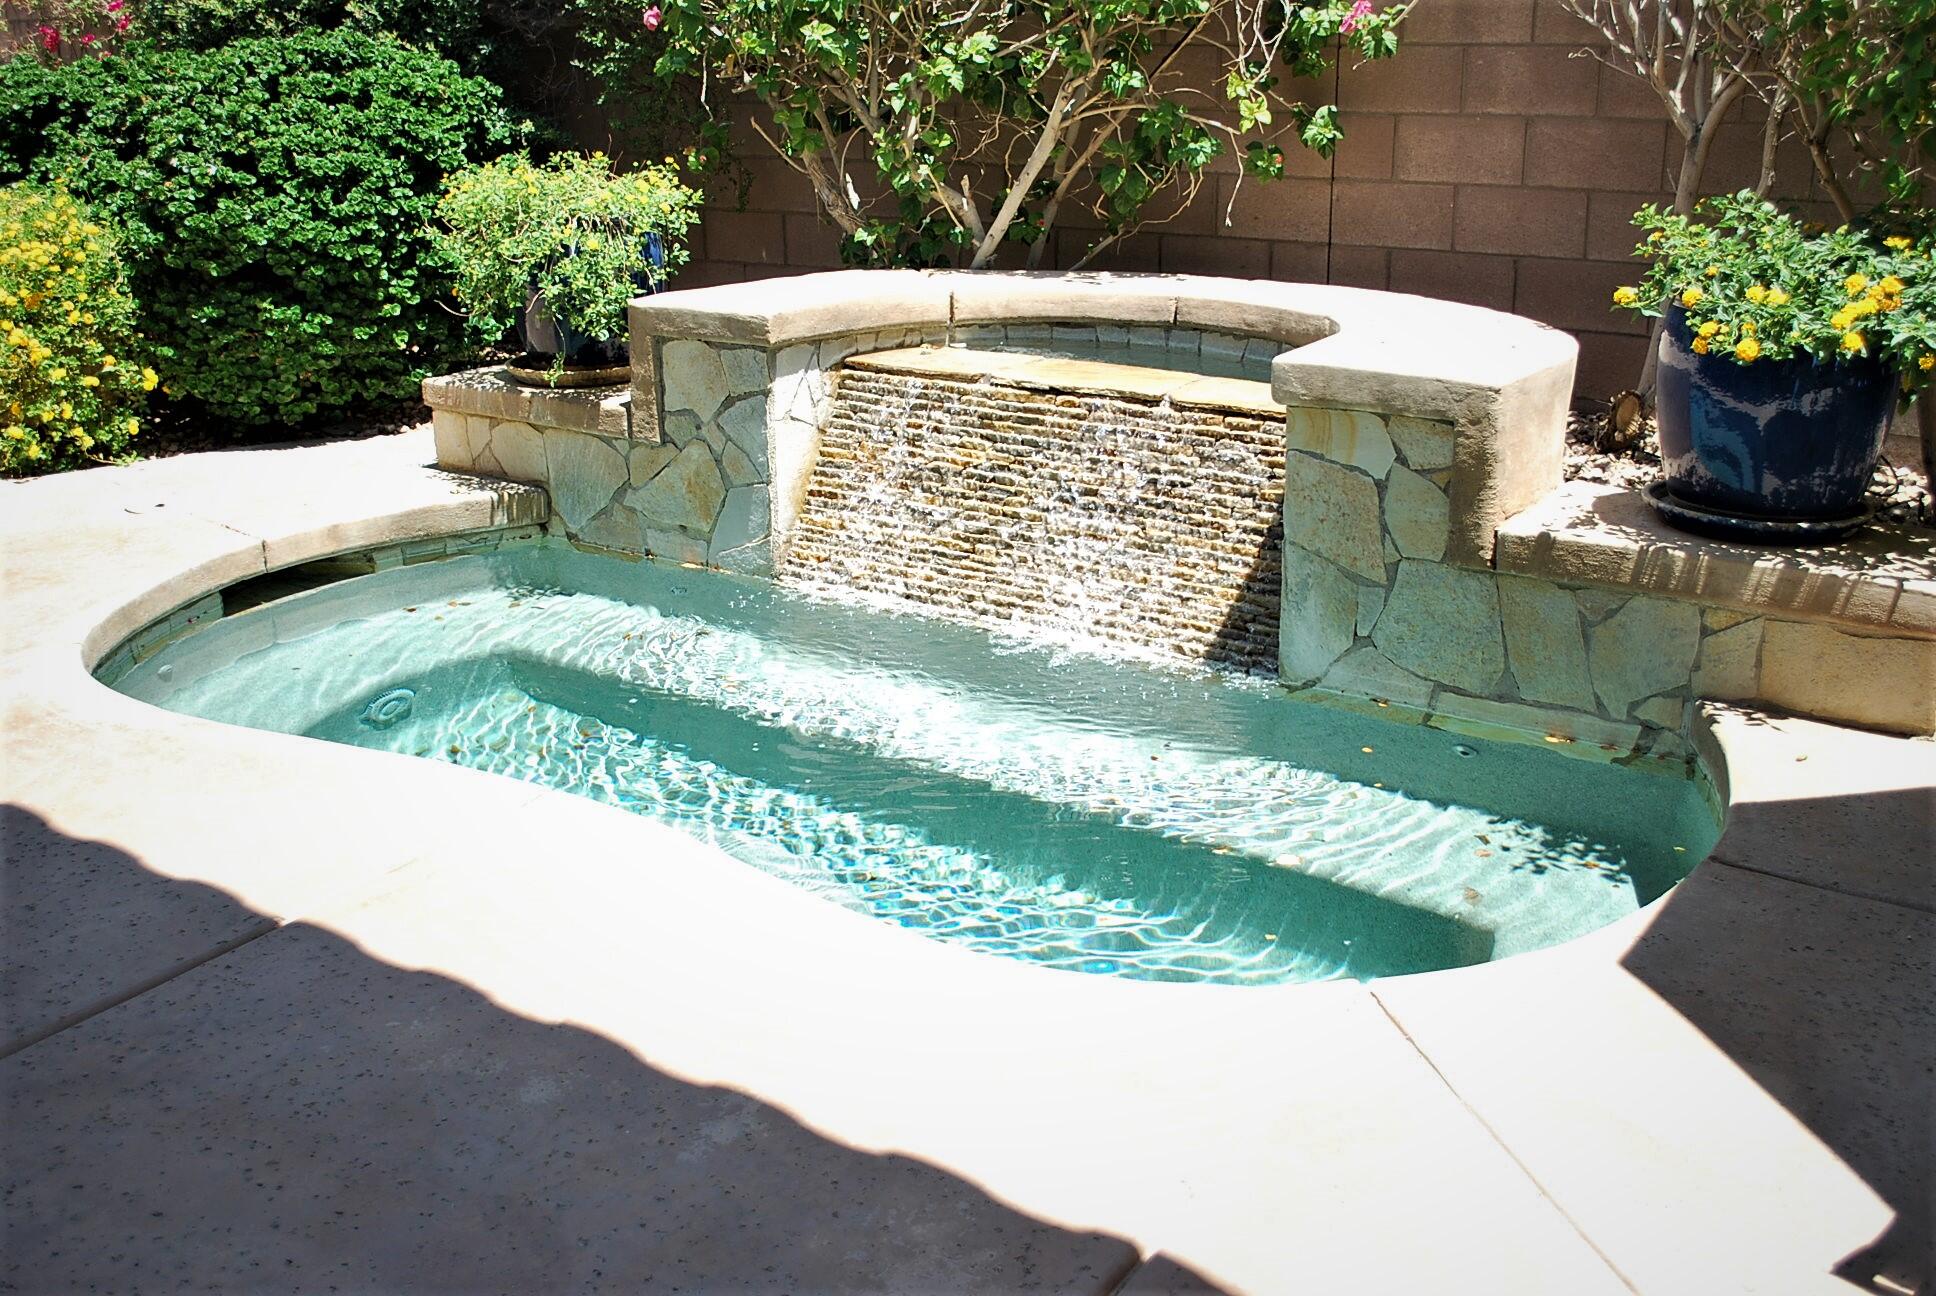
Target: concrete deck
(285,1015)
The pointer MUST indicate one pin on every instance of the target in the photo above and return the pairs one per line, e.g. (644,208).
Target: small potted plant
(555,250)
(1783,354)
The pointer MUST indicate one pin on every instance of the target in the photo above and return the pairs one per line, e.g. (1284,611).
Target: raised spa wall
(1434,568)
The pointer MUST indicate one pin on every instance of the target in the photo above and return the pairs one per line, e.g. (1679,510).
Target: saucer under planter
(535,371)
(1771,451)
(1723,525)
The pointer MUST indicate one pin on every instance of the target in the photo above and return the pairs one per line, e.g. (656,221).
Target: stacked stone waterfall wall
(1142,523)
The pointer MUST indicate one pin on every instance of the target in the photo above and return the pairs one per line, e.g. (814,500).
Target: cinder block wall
(1491,162)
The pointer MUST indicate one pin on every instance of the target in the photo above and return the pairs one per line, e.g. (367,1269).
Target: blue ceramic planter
(1788,439)
(545,334)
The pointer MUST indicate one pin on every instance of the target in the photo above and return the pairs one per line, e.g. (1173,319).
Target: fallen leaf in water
(1472,897)
(1484,854)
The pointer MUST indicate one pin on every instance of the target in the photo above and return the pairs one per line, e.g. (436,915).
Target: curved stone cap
(1503,381)
(1387,352)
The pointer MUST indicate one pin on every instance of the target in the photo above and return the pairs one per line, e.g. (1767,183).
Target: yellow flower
(1747,349)
(1757,294)
(1700,346)
(89,380)
(1898,242)
(1890,285)
(1655,237)
(1776,297)
(1625,296)
(55,375)
(1854,343)
(1709,329)
(134,426)
(1926,361)
(1747,328)
(1712,271)
(1692,297)
(1840,320)
(1855,283)
(148,379)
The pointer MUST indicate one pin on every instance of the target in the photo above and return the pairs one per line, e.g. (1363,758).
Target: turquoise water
(1018,800)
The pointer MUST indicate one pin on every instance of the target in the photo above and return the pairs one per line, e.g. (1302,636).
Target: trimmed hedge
(273,200)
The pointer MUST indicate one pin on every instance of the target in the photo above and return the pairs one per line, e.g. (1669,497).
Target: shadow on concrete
(1826,1000)
(293,1112)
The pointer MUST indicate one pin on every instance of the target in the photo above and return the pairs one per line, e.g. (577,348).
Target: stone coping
(491,393)
(1346,347)
(188,868)
(1081,377)
(1881,579)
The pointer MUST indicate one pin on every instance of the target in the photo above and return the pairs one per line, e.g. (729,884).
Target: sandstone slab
(647,460)
(1343,436)
(583,472)
(1333,512)
(1443,623)
(685,495)
(744,423)
(1425,444)
(1319,614)
(1367,672)
(1417,515)
(694,378)
(1647,647)
(1729,668)
(742,519)
(520,451)
(1544,643)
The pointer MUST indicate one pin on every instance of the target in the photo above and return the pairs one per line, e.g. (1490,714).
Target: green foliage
(457,29)
(72,381)
(570,227)
(1863,68)
(981,124)
(655,115)
(273,198)
(1757,285)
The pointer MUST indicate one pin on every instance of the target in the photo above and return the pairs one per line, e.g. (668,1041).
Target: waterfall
(1154,528)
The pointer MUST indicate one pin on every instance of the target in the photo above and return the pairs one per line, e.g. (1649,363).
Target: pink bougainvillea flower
(1359,12)
(88,38)
(652,17)
(49,39)
(124,22)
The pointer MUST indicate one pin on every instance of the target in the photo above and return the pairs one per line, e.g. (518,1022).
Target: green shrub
(571,227)
(71,374)
(457,29)
(274,199)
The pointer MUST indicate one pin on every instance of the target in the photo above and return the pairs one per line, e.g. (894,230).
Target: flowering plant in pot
(556,250)
(1785,351)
